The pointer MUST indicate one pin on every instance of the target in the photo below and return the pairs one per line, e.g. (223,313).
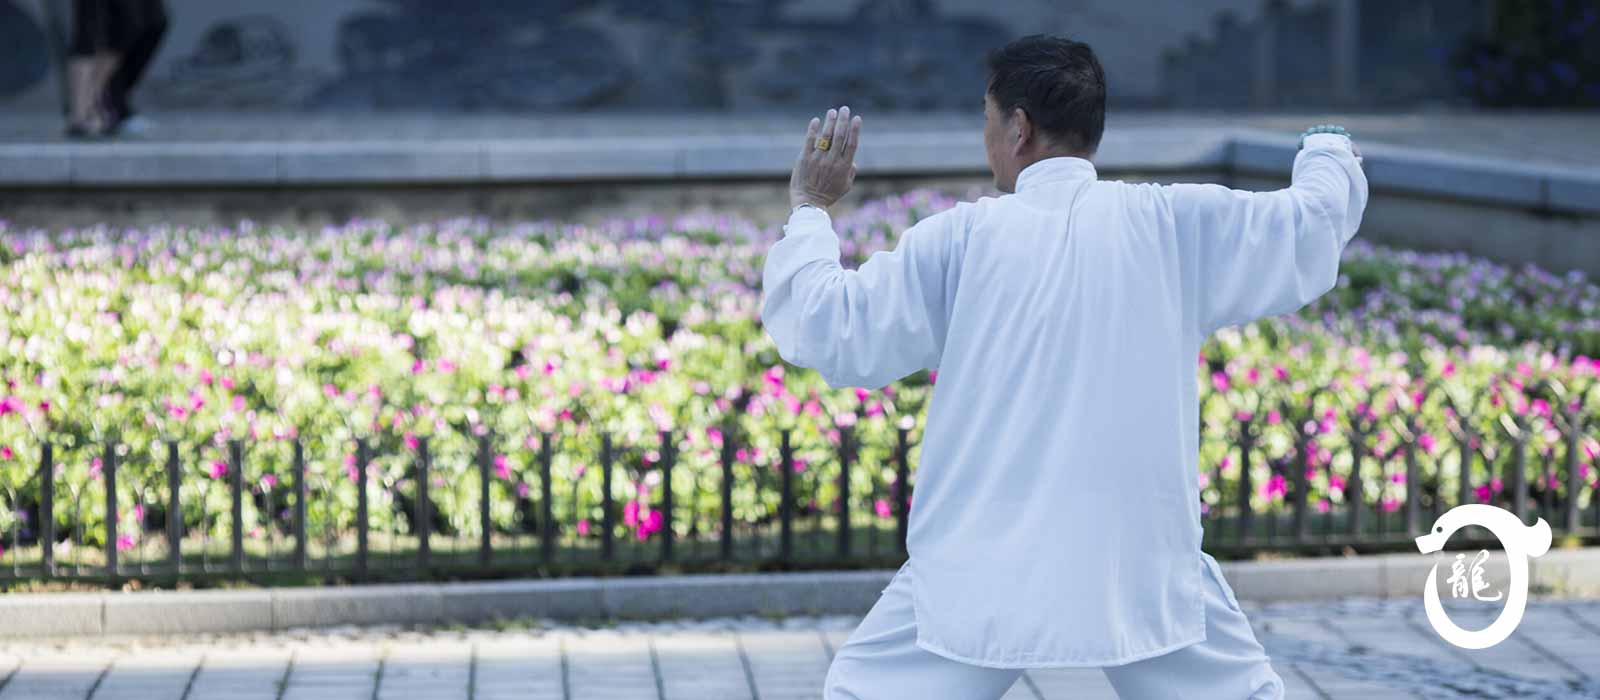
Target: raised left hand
(822,177)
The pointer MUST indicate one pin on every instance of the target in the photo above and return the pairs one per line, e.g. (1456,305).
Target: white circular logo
(1519,541)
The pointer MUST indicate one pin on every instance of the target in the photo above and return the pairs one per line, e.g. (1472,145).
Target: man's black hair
(1058,83)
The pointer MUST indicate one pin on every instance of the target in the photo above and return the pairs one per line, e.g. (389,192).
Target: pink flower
(881,506)
(1242,416)
(418,366)
(1281,373)
(1275,487)
(862,394)
(410,440)
(1219,381)
(1323,506)
(206,376)
(800,464)
(1335,483)
(1449,370)
(1427,442)
(583,527)
(773,378)
(218,469)
(630,513)
(5,452)
(1253,375)
(502,467)
(714,436)
(523,489)
(1389,504)
(227,383)
(268,481)
(94,468)
(933,376)
(664,363)
(124,543)
(1274,417)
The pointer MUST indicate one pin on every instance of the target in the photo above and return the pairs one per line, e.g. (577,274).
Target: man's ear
(1022,129)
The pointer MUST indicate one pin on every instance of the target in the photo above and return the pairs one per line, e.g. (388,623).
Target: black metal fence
(794,530)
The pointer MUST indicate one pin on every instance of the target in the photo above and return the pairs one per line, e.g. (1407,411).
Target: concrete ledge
(1560,572)
(1135,148)
(52,615)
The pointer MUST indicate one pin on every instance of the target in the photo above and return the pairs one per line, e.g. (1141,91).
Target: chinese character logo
(1458,578)
(1520,542)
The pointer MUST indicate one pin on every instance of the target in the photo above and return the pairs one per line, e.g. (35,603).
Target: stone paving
(1360,649)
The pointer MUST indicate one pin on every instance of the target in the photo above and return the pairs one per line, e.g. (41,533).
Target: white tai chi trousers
(881,661)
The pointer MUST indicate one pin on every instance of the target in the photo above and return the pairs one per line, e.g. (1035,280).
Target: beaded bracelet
(1323,129)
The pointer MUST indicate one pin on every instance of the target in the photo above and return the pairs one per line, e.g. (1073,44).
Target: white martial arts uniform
(1056,516)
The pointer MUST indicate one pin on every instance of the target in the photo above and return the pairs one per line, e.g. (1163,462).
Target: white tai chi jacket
(1056,518)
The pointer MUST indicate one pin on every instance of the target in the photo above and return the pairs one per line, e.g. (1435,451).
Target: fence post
(901,491)
(547,524)
(669,454)
(786,499)
(174,510)
(47,508)
(1413,491)
(846,455)
(299,505)
(1246,513)
(1354,497)
(424,507)
(727,490)
(362,522)
(108,469)
(1302,524)
(485,554)
(236,485)
(1519,476)
(607,545)
(1574,481)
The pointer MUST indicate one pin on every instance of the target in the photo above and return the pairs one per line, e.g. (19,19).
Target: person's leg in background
(881,661)
(92,60)
(1229,665)
(146,23)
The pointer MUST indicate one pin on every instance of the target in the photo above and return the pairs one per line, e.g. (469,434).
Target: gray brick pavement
(1363,648)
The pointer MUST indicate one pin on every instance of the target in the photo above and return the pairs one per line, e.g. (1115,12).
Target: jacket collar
(1057,169)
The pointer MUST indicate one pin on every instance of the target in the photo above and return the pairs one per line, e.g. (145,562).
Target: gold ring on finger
(824,143)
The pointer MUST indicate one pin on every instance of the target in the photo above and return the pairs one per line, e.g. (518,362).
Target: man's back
(1056,517)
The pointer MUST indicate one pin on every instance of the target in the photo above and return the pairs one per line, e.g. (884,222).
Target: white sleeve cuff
(1327,141)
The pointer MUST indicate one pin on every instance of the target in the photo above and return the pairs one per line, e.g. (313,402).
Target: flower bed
(450,331)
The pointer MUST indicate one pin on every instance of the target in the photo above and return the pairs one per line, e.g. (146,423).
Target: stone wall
(739,55)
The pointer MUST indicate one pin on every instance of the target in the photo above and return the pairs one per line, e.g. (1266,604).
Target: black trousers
(132,28)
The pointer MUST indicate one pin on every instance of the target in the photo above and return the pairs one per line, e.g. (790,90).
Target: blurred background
(742,56)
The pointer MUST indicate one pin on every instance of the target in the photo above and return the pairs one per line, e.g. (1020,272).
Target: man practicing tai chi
(1057,514)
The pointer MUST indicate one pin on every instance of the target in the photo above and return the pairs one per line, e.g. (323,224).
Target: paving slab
(1345,649)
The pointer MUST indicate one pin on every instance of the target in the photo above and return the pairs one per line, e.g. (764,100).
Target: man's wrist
(798,200)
